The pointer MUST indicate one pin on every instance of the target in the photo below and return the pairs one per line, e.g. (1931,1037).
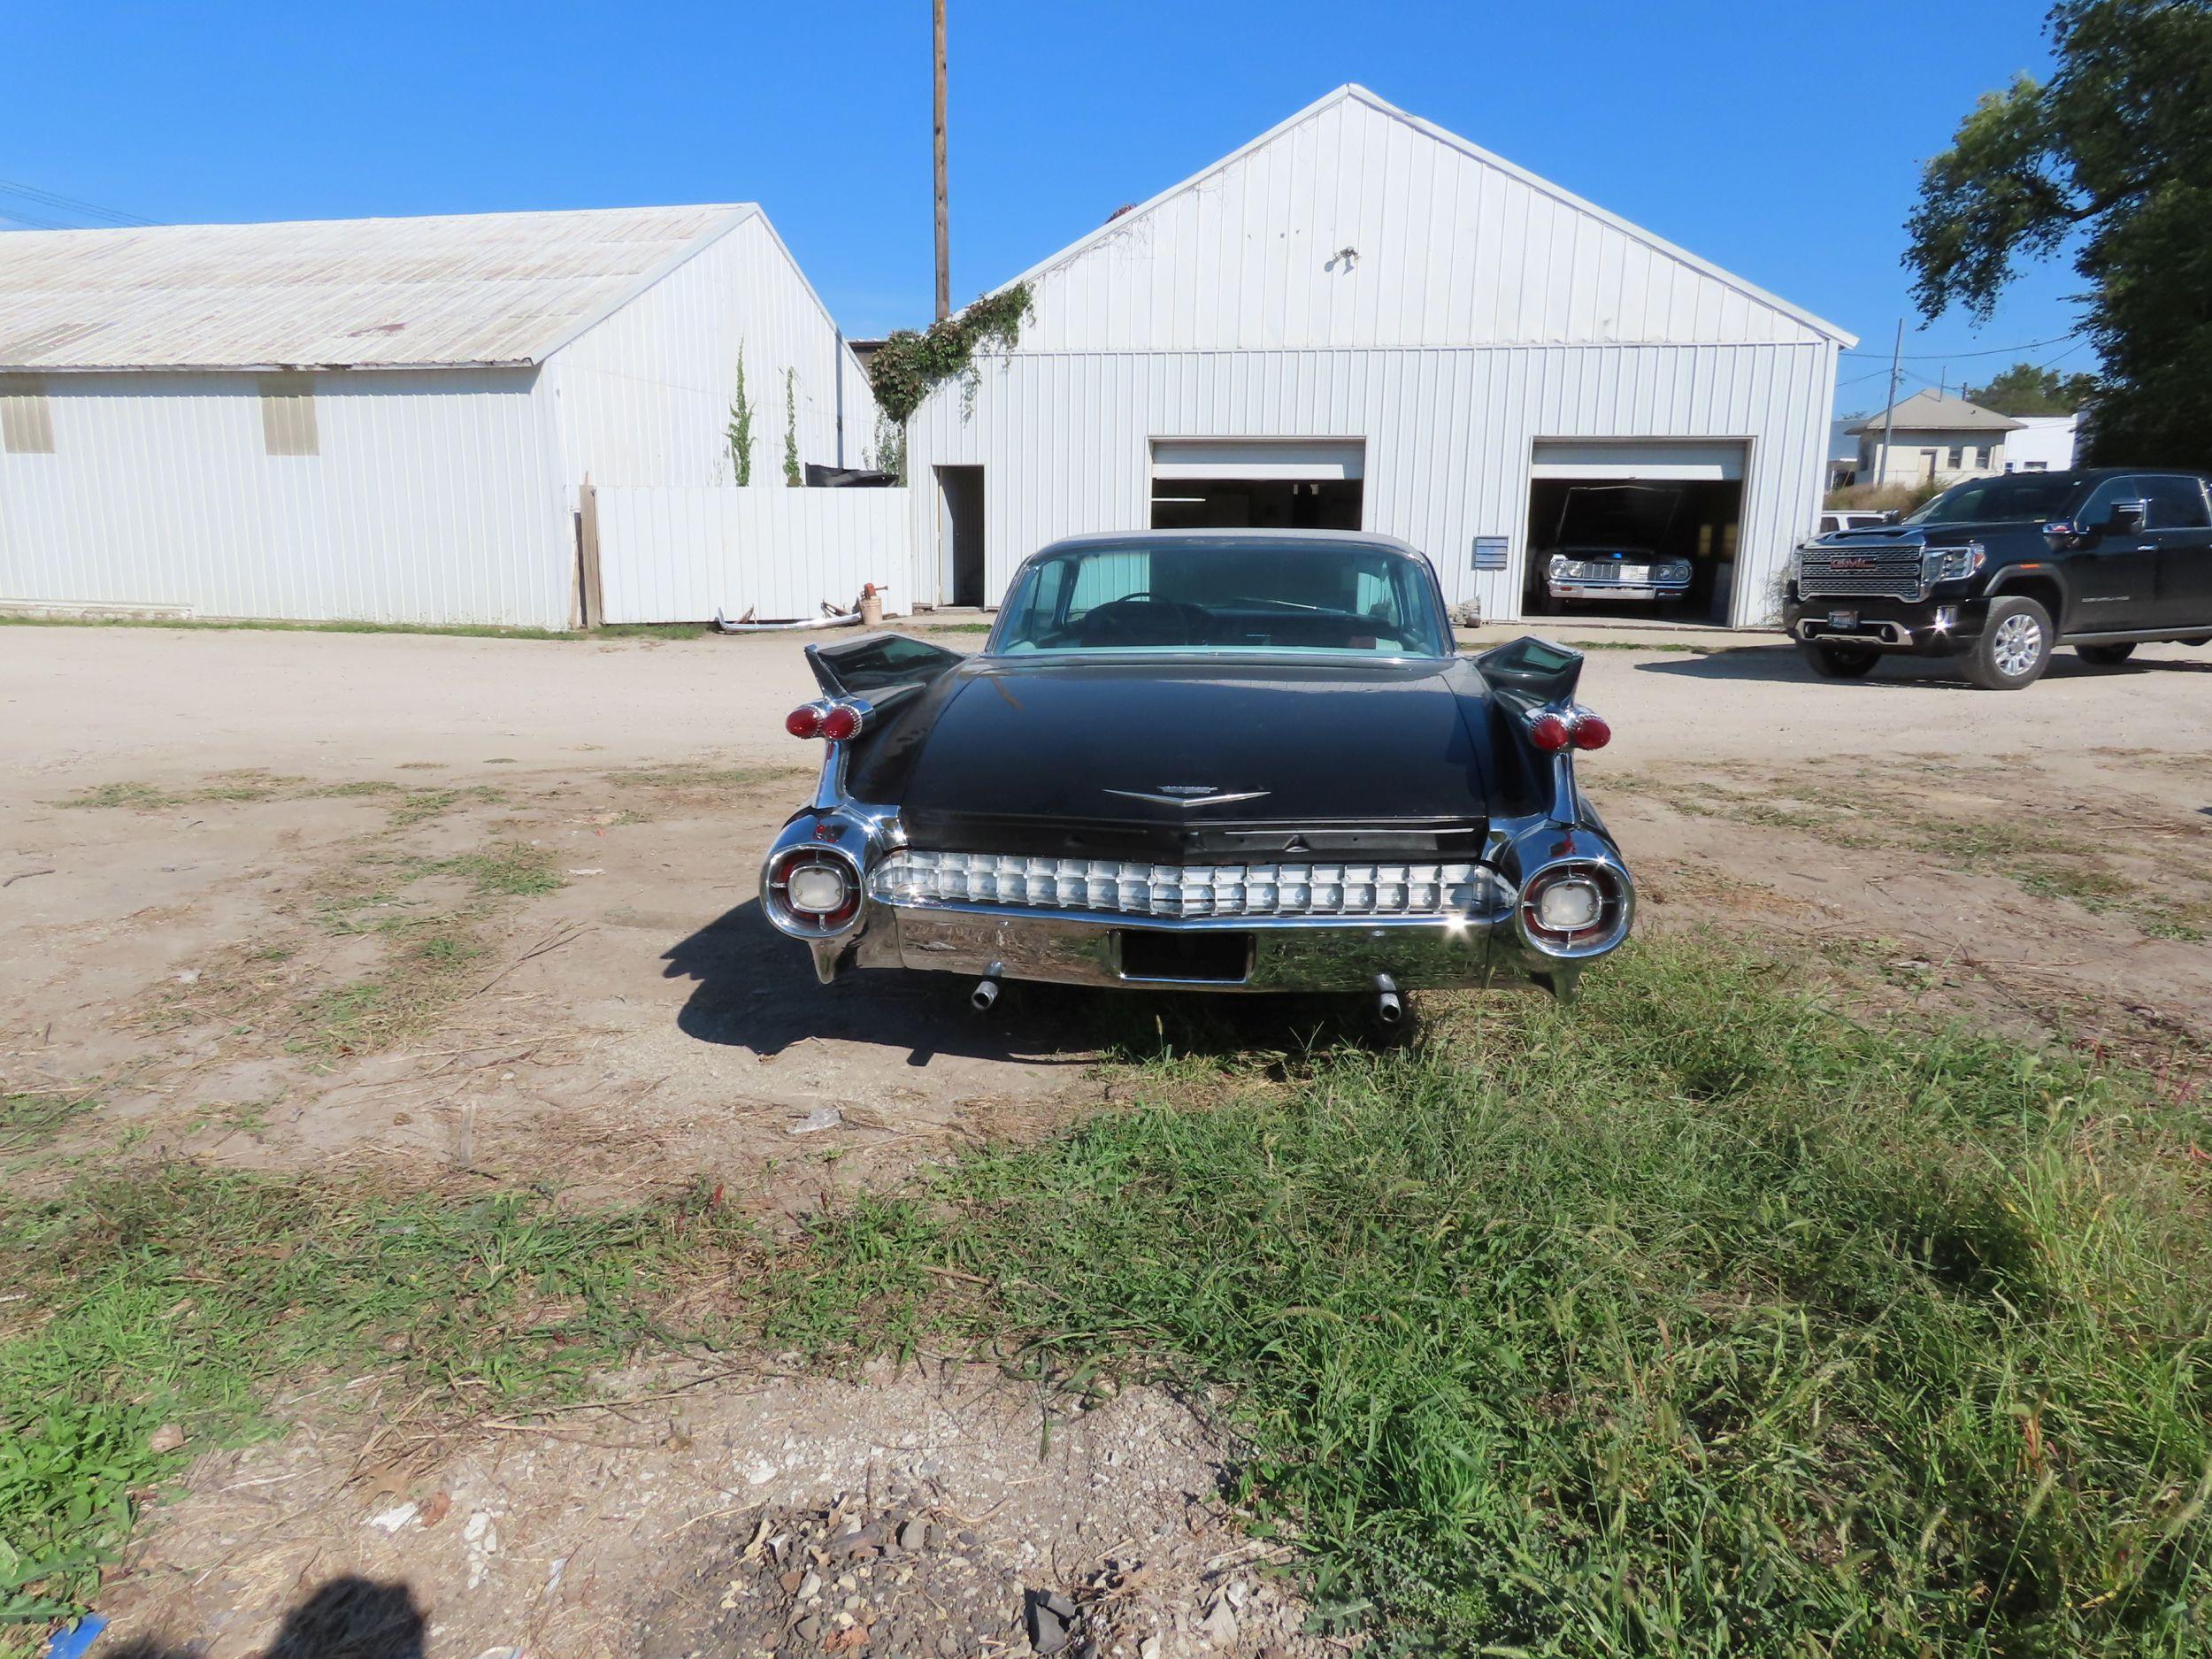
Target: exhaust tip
(985,993)
(1388,1010)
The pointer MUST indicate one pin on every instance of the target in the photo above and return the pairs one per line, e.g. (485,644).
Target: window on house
(1981,458)
(1958,455)
(27,422)
(288,415)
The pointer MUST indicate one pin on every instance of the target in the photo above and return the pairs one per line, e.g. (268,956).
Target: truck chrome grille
(1864,571)
(1113,886)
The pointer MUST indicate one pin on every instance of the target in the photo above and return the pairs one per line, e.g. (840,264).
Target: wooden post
(588,595)
(944,234)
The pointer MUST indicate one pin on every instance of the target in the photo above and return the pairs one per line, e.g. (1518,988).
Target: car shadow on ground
(1783,663)
(753,988)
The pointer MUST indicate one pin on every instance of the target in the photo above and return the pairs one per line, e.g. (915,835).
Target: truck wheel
(2014,647)
(2106,656)
(1840,662)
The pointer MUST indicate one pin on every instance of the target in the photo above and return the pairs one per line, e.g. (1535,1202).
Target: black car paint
(1027,754)
(2099,582)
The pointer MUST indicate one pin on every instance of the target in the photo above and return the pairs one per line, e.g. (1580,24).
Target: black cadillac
(1219,760)
(1999,571)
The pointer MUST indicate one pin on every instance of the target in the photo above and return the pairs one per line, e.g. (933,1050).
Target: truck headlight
(1953,564)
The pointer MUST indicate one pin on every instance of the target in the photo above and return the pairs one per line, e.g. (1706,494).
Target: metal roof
(476,289)
(1931,410)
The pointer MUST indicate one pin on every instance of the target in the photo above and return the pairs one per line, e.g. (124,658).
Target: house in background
(2044,443)
(1361,321)
(1932,437)
(1843,452)
(388,419)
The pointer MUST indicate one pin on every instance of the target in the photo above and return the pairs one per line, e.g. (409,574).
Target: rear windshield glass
(1185,596)
(2015,498)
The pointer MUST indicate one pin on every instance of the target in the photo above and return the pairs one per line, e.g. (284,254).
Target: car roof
(1230,540)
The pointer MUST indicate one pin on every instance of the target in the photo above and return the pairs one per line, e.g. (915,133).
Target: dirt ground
(437,906)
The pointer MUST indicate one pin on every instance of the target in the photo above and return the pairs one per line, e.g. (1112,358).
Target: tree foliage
(2110,161)
(2028,388)
(909,364)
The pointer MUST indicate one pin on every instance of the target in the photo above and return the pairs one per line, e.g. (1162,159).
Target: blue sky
(1780,140)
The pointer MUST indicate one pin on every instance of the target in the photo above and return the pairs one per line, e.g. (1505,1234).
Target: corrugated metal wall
(1064,439)
(644,398)
(681,554)
(431,500)
(1359,275)
(1355,225)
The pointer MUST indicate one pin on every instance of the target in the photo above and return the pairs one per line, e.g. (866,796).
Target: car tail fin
(877,662)
(1536,668)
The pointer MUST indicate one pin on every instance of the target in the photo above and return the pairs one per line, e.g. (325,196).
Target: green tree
(2108,160)
(2026,388)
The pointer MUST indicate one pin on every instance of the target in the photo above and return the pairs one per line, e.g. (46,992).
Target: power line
(1994,351)
(54,199)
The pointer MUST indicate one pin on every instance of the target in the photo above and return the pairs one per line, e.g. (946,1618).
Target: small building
(1932,438)
(1359,319)
(389,419)
(2043,443)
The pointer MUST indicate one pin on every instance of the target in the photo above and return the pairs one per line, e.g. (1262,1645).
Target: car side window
(1828,523)
(2176,503)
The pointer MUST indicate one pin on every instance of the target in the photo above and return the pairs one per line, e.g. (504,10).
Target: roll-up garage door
(1258,483)
(1683,460)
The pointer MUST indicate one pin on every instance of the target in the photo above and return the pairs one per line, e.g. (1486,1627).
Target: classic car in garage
(1216,760)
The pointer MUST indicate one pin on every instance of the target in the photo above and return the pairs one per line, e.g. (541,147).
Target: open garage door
(1633,526)
(1257,483)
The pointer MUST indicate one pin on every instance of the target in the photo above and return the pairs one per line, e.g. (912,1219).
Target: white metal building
(1361,319)
(387,419)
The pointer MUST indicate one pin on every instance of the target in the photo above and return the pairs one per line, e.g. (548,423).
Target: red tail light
(1549,733)
(1591,730)
(804,721)
(841,722)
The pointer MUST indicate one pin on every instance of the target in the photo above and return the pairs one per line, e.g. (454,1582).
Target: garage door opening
(1634,529)
(1257,484)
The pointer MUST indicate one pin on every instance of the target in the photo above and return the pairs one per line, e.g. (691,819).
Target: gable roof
(1930,410)
(476,289)
(1352,92)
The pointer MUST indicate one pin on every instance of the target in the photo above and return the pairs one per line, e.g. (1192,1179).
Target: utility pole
(944,235)
(1889,408)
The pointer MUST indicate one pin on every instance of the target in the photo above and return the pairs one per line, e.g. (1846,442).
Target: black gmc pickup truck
(1999,571)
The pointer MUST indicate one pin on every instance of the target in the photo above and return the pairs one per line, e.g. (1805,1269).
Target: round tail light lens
(1549,733)
(1592,731)
(811,892)
(840,723)
(1574,910)
(804,721)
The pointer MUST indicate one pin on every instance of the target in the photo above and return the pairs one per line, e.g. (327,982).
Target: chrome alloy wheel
(2017,645)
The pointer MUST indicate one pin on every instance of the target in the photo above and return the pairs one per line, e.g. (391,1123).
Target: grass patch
(1693,1319)
(141,795)
(509,870)
(183,1297)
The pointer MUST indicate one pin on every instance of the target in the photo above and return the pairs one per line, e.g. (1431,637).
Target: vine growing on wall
(740,430)
(910,364)
(793,474)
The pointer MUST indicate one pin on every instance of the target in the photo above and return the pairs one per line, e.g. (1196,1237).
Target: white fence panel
(679,553)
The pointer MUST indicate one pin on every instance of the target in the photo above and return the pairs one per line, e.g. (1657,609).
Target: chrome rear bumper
(1277,954)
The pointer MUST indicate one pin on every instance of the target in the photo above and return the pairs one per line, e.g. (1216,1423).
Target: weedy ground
(1705,1315)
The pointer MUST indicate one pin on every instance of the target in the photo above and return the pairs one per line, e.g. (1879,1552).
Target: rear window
(1180,595)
